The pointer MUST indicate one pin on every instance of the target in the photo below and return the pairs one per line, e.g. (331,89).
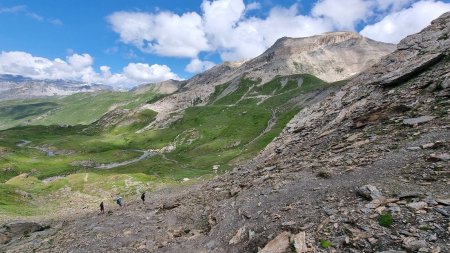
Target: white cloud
(164,33)
(219,18)
(79,67)
(398,25)
(145,73)
(80,62)
(35,16)
(393,5)
(23,9)
(344,14)
(55,21)
(197,66)
(14,9)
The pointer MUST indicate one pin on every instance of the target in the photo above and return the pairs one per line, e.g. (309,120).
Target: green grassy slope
(80,108)
(230,128)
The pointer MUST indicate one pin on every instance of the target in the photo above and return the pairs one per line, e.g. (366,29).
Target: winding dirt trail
(145,154)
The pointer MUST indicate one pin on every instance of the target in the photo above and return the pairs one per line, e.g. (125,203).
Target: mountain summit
(332,56)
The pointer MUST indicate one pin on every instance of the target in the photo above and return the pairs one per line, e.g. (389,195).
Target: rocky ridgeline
(19,87)
(331,57)
(366,170)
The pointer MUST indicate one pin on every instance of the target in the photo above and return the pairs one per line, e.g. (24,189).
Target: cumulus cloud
(79,67)
(398,25)
(343,14)
(165,33)
(196,66)
(145,73)
(393,5)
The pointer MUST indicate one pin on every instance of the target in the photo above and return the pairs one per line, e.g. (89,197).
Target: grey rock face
(18,229)
(414,54)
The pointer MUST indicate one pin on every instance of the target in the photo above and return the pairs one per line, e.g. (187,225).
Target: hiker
(119,201)
(102,208)
(143,197)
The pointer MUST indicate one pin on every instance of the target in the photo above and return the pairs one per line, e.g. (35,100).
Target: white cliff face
(331,57)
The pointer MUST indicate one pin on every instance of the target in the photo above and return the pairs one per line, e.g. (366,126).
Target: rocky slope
(366,170)
(166,87)
(19,87)
(331,57)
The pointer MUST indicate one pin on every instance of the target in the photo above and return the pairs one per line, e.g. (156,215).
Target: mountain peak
(317,41)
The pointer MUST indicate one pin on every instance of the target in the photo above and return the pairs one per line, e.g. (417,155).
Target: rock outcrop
(166,87)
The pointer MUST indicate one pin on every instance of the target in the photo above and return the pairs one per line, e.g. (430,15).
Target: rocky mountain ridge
(19,87)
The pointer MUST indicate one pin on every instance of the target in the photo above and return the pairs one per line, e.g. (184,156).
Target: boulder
(4,238)
(278,245)
(418,120)
(417,205)
(369,192)
(412,244)
(18,228)
(170,205)
(239,236)
(439,157)
(299,242)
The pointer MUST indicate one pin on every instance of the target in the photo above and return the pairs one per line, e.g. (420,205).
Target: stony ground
(367,170)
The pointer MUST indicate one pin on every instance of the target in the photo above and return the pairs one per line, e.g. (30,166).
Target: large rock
(4,238)
(412,244)
(369,192)
(239,236)
(278,245)
(299,242)
(19,228)
(418,120)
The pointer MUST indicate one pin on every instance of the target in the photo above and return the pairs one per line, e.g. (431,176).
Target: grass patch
(325,244)
(385,220)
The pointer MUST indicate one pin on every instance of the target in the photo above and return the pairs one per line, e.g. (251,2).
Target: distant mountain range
(20,87)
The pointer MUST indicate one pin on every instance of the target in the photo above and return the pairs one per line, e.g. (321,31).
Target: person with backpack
(143,197)
(119,201)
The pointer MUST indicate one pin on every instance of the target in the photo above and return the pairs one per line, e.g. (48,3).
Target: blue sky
(138,41)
